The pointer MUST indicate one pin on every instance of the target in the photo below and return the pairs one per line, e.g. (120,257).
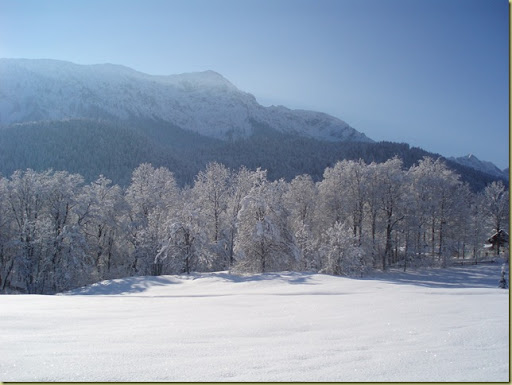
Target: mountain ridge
(472,161)
(204,102)
(210,120)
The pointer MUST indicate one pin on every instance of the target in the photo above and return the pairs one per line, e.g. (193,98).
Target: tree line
(58,232)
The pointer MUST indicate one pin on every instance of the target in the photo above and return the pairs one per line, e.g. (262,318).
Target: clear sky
(432,73)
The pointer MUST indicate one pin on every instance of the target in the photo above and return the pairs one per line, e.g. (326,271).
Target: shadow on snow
(122,286)
(134,285)
(479,276)
(474,276)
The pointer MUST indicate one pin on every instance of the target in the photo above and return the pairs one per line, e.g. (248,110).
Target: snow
(426,325)
(204,102)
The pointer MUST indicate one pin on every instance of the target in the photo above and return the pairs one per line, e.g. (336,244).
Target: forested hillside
(114,149)
(58,232)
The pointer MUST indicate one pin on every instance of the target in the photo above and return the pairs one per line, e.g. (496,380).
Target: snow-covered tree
(460,226)
(67,247)
(300,200)
(309,249)
(153,199)
(496,207)
(47,249)
(56,232)
(342,254)
(264,241)
(7,254)
(342,194)
(211,195)
(390,179)
(180,252)
(372,203)
(355,177)
(435,188)
(241,184)
(331,208)
(184,245)
(25,195)
(98,211)
(477,225)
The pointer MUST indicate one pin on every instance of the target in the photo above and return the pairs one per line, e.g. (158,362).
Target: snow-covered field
(428,325)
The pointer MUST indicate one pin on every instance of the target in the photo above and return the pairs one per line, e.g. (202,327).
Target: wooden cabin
(497,241)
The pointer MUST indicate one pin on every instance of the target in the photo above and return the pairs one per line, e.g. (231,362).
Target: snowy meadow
(422,325)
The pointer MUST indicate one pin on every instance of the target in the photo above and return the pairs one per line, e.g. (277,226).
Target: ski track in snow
(427,325)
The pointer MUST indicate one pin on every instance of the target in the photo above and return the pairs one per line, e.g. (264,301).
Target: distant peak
(466,157)
(212,73)
(208,74)
(207,78)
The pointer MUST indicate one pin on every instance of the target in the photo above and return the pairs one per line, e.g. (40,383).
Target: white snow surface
(203,102)
(427,325)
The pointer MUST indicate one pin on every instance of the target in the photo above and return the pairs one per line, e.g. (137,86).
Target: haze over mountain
(107,119)
(203,102)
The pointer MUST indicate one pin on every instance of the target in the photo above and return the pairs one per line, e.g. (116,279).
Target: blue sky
(431,73)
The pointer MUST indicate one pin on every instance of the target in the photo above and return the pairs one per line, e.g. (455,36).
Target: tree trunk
(442,255)
(388,249)
(231,248)
(433,239)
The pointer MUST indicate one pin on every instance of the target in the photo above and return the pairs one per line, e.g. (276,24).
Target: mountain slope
(481,165)
(89,148)
(107,119)
(203,102)
(92,147)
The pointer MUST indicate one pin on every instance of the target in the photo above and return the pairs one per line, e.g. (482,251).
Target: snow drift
(428,325)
